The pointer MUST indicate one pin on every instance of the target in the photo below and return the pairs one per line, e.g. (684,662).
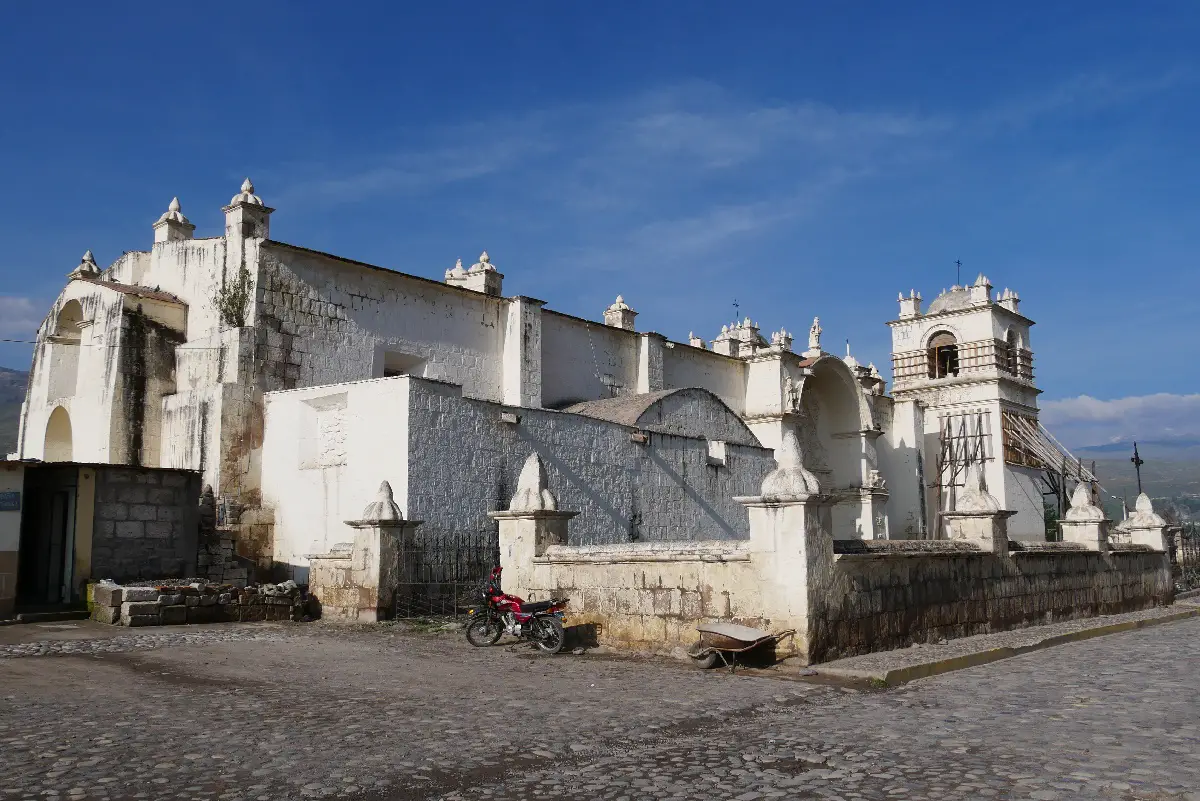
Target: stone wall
(841,598)
(884,600)
(625,491)
(452,459)
(145,523)
(167,603)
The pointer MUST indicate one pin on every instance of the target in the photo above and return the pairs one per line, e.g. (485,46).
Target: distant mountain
(1182,449)
(12,394)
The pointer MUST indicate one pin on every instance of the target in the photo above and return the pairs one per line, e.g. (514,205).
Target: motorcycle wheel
(552,636)
(484,631)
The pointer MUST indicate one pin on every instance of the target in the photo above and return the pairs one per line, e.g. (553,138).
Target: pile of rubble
(197,601)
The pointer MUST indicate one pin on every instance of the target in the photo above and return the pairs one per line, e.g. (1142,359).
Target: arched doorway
(58,446)
(835,434)
(832,422)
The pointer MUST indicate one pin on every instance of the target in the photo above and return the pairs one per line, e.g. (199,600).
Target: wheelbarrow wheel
(709,660)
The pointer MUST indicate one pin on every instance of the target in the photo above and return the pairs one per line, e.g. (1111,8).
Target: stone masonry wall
(145,523)
(665,489)
(876,602)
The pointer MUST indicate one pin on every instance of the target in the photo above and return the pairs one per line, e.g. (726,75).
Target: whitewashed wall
(725,377)
(582,360)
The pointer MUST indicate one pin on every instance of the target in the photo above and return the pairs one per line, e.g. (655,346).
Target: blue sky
(802,159)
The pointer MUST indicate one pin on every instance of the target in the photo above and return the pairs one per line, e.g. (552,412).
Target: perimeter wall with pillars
(871,596)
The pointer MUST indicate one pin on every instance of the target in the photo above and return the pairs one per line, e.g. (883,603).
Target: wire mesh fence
(445,577)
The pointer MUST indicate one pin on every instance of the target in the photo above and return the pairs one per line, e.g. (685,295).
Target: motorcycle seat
(538,606)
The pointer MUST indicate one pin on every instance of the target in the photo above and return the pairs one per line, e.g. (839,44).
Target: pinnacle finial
(247,186)
(790,477)
(87,268)
(484,258)
(533,491)
(88,258)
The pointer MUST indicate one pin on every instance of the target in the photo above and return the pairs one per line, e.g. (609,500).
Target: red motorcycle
(500,613)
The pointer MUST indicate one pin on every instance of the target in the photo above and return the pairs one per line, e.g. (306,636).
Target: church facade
(295,381)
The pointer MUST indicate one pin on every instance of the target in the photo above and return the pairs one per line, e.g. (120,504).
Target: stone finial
(1082,509)
(172,226)
(695,341)
(790,477)
(910,306)
(383,508)
(620,315)
(173,213)
(481,277)
(1144,515)
(87,268)
(533,493)
(246,195)
(976,498)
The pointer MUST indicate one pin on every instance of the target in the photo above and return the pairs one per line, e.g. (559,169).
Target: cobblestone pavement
(316,712)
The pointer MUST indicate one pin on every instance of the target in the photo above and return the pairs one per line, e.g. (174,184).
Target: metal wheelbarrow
(722,642)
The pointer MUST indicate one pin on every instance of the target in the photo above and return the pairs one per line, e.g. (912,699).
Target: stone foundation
(196,602)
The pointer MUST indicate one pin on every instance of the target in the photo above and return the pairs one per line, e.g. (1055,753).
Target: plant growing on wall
(233,299)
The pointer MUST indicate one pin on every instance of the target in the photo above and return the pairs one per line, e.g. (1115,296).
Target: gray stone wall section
(146,523)
(880,602)
(464,461)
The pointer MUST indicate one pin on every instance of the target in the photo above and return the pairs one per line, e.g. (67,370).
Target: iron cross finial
(1137,466)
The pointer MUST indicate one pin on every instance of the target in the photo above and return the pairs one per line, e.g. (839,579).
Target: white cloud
(18,317)
(1086,420)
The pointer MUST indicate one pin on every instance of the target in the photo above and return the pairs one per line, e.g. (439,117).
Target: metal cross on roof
(1137,465)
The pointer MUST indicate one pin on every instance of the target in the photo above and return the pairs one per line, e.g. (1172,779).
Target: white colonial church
(296,381)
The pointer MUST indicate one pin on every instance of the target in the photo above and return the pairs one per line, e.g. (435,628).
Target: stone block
(108,595)
(132,494)
(224,598)
(107,614)
(202,614)
(174,599)
(139,620)
(143,512)
(191,600)
(112,511)
(207,600)
(130,529)
(141,594)
(174,615)
(174,479)
(158,530)
(133,608)
(161,497)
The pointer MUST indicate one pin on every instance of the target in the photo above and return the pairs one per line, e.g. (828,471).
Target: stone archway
(830,433)
(58,447)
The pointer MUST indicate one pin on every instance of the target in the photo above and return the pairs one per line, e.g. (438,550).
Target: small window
(1011,345)
(716,453)
(396,363)
(943,355)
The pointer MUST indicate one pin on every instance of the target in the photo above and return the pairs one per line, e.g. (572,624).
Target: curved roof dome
(684,411)
(957,297)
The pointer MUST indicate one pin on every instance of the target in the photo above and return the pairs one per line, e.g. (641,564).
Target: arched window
(58,446)
(1011,344)
(943,355)
(70,318)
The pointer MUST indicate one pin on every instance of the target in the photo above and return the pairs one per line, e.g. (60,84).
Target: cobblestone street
(307,711)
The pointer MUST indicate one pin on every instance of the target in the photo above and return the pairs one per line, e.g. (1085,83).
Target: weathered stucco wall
(584,360)
(145,524)
(451,460)
(464,462)
(324,320)
(685,366)
(325,452)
